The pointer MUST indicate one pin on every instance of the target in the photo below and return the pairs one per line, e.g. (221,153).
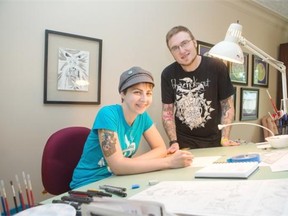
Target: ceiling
(278,7)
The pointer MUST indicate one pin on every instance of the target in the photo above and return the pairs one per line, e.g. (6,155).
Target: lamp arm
(221,126)
(278,65)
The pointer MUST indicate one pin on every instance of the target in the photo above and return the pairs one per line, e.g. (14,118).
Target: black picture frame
(249,104)
(235,99)
(203,48)
(72,69)
(260,72)
(239,72)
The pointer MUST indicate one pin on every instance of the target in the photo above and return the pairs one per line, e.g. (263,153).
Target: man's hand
(173,148)
(227,142)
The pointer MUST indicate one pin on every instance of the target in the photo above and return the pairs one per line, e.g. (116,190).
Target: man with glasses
(197,95)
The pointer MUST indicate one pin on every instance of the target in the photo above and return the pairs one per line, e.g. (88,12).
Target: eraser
(153,182)
(135,186)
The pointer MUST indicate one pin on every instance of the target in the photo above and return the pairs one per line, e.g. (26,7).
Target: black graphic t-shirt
(196,96)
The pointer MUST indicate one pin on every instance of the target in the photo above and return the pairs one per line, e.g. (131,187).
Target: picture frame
(260,72)
(239,72)
(235,99)
(203,48)
(249,104)
(72,69)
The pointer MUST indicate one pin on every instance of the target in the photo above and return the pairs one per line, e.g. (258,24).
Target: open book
(227,170)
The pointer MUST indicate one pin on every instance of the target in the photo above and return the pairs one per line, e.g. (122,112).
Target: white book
(227,170)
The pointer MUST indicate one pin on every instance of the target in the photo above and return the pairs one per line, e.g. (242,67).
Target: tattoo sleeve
(169,121)
(107,141)
(227,114)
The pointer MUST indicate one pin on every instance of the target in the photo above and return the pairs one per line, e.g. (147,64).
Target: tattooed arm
(227,116)
(151,161)
(168,121)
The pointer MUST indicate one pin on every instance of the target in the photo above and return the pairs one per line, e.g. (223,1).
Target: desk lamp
(221,126)
(230,50)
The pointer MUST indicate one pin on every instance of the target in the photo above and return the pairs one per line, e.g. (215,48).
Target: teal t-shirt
(92,165)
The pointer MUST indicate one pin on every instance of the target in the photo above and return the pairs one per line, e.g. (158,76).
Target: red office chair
(61,154)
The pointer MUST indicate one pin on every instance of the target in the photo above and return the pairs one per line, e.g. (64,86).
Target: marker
(14,196)
(30,190)
(26,189)
(78,199)
(116,191)
(110,186)
(5,199)
(90,193)
(3,204)
(20,193)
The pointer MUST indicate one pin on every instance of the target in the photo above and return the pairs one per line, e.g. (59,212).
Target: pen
(3,204)
(30,190)
(86,200)
(20,193)
(115,191)
(114,187)
(14,196)
(89,193)
(26,189)
(99,193)
(5,199)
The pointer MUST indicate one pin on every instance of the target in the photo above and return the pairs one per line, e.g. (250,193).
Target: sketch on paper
(233,198)
(73,70)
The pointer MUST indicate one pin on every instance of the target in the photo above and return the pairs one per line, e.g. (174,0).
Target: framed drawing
(260,72)
(72,69)
(239,72)
(249,104)
(203,48)
(234,98)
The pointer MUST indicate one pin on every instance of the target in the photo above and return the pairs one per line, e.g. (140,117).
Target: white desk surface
(182,174)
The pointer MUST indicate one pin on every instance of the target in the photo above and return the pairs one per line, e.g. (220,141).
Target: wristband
(172,142)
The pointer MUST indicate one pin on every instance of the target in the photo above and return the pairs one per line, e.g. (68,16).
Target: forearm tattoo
(227,117)
(168,121)
(107,142)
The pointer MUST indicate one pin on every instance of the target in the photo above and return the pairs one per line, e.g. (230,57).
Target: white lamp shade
(229,51)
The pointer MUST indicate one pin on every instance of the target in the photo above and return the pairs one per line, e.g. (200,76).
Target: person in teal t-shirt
(116,135)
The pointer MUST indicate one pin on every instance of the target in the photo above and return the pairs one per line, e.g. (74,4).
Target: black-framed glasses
(184,44)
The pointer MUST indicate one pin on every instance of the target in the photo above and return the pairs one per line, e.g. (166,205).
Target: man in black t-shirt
(197,95)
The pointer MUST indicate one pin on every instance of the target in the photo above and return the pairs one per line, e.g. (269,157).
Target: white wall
(133,33)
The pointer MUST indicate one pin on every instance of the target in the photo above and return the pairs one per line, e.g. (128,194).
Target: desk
(182,174)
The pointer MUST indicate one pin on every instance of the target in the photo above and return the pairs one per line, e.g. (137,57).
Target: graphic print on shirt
(192,107)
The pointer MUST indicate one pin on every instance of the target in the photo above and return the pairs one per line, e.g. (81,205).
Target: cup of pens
(18,196)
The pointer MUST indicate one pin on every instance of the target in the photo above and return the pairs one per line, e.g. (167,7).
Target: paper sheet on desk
(204,161)
(219,198)
(277,160)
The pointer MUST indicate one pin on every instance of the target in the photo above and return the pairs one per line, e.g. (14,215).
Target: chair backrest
(60,156)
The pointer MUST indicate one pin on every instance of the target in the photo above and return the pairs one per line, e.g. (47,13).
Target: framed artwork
(260,72)
(249,104)
(72,69)
(239,72)
(234,97)
(203,48)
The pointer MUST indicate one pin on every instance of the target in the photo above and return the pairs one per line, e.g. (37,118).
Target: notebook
(227,170)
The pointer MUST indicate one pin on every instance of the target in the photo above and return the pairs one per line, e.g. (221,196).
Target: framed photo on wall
(235,98)
(239,72)
(260,72)
(203,48)
(72,69)
(249,104)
